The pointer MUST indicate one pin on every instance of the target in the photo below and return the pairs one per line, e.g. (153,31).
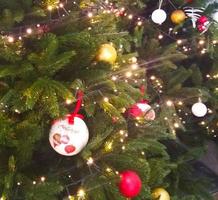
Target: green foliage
(43,191)
(39,73)
(46,92)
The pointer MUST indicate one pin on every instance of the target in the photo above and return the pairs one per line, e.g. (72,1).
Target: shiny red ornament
(141,109)
(201,28)
(130,184)
(202,20)
(203,24)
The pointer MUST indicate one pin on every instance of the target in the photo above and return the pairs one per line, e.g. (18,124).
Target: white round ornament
(159,16)
(142,109)
(149,112)
(199,109)
(69,139)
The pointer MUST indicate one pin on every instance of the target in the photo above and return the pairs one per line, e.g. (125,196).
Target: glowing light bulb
(68,101)
(108,146)
(122,132)
(90,15)
(81,193)
(90,161)
(29,31)
(169,103)
(180,103)
(176,125)
(106,99)
(203,51)
(133,60)
(42,179)
(201,42)
(70,197)
(109,170)
(130,16)
(10,39)
(114,78)
(139,23)
(152,78)
(160,37)
(122,9)
(61,5)
(134,66)
(50,8)
(179,41)
(17,111)
(128,74)
(203,123)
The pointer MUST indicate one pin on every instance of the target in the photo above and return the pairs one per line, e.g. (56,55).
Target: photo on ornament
(142,110)
(57,139)
(69,139)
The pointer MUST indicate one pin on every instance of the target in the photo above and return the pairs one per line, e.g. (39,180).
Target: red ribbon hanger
(74,114)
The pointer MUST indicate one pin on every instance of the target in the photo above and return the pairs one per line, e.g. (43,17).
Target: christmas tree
(106,99)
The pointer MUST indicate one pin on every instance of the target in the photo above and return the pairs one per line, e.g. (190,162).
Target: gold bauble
(178,16)
(50,2)
(160,194)
(107,53)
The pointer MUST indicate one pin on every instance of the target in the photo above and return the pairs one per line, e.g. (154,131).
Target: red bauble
(202,20)
(141,109)
(201,28)
(130,184)
(203,24)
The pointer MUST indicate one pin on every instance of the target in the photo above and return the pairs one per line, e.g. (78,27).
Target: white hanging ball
(149,113)
(68,139)
(215,16)
(159,16)
(199,109)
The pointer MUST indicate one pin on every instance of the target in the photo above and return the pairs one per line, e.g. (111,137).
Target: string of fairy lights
(107,8)
(109,146)
(131,73)
(157,84)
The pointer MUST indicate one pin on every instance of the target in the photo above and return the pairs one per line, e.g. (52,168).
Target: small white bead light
(29,31)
